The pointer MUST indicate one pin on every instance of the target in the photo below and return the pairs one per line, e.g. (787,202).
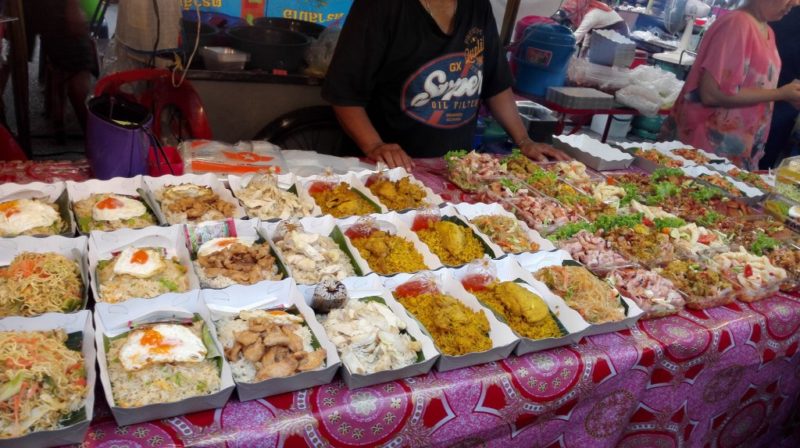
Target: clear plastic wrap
(208,156)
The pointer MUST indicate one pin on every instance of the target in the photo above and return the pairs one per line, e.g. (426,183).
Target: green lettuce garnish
(668,223)
(708,219)
(665,173)
(610,222)
(569,230)
(764,244)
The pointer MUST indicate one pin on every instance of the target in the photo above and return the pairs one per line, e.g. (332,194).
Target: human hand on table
(391,154)
(540,151)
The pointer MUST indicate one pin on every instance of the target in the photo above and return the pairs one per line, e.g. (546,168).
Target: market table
(563,112)
(726,377)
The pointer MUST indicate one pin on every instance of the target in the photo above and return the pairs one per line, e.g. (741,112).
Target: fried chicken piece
(242,264)
(295,343)
(246,337)
(232,354)
(310,361)
(277,362)
(254,352)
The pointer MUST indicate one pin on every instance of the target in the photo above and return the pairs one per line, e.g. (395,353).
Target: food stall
(669,296)
(640,294)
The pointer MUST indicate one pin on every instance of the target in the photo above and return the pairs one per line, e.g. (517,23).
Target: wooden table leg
(19,74)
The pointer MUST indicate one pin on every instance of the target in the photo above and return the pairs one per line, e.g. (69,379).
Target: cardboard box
(534,262)
(196,235)
(75,249)
(103,244)
(229,302)
(371,286)
(503,339)
(395,174)
(156,184)
(115,319)
(55,193)
(592,153)
(508,270)
(471,211)
(286,182)
(128,186)
(325,226)
(71,323)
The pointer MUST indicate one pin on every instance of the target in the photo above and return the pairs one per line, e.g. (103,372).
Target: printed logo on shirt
(445,92)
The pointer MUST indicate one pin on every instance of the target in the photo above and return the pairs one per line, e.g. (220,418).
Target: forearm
(712,96)
(743,98)
(504,110)
(356,123)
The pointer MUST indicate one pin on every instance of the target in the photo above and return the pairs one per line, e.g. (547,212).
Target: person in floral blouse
(725,106)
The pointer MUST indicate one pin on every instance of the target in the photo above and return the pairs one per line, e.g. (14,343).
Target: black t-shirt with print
(421,88)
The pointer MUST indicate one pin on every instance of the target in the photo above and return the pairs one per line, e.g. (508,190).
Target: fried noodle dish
(593,299)
(38,283)
(506,232)
(42,382)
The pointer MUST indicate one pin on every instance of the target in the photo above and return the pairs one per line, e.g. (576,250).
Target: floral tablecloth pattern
(23,172)
(724,377)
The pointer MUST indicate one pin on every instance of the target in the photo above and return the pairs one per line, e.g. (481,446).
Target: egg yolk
(155,341)
(225,243)
(140,257)
(9,208)
(109,203)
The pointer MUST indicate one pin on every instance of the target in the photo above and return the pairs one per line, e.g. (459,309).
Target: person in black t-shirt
(408,77)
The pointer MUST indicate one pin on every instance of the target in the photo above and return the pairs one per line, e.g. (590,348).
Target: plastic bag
(586,74)
(204,156)
(320,53)
(641,98)
(651,89)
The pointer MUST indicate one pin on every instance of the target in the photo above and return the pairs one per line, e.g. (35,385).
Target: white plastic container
(620,125)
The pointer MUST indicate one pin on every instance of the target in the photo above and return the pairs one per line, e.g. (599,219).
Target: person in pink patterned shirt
(725,106)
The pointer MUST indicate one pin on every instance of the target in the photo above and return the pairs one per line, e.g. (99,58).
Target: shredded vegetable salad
(42,382)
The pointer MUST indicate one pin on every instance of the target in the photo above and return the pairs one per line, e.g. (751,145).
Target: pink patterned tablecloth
(725,377)
(23,172)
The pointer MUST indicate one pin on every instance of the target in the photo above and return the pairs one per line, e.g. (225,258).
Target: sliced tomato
(748,271)
(476,282)
(707,238)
